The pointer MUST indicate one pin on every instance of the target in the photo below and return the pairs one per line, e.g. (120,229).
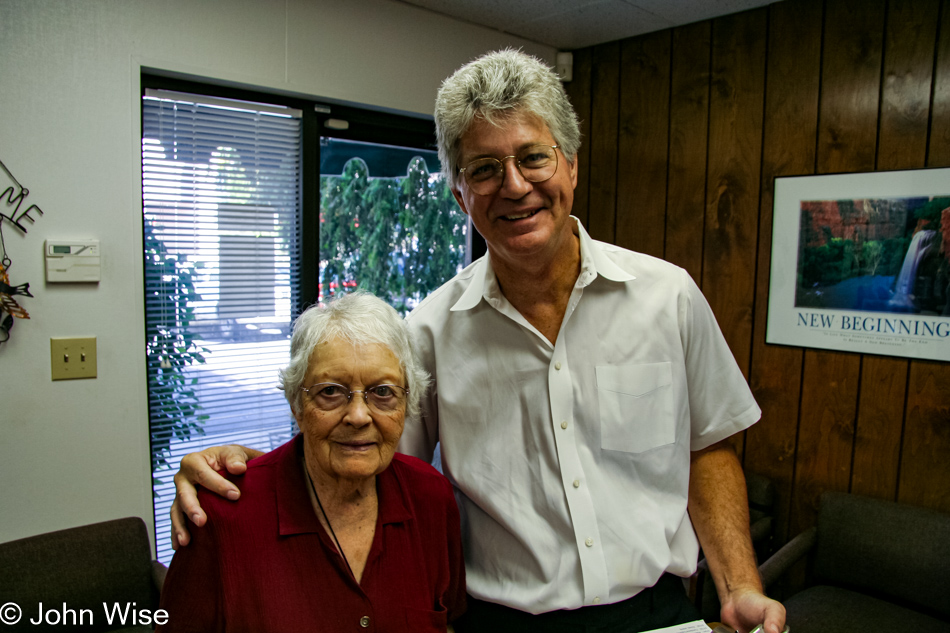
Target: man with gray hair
(583,394)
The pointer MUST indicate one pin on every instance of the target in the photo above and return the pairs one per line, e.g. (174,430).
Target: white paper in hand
(690,627)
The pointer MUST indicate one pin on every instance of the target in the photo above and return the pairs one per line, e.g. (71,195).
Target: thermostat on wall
(74,260)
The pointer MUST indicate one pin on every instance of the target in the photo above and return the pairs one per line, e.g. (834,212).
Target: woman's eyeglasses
(331,397)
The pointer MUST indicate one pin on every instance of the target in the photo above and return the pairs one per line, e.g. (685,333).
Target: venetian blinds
(221,201)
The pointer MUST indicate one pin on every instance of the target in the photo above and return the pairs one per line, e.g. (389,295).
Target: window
(234,207)
(388,222)
(221,201)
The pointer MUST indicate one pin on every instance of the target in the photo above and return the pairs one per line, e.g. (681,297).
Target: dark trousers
(664,604)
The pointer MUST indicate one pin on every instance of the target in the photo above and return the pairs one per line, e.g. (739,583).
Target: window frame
(364,125)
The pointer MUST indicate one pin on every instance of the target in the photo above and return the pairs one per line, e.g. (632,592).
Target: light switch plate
(73,358)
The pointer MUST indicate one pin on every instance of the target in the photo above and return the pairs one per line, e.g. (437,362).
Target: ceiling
(572,24)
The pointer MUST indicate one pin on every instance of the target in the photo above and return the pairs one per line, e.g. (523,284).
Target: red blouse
(264,563)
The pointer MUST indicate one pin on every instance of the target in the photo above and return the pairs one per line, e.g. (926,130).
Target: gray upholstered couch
(874,566)
(83,568)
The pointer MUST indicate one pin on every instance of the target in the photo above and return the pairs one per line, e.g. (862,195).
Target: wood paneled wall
(685,130)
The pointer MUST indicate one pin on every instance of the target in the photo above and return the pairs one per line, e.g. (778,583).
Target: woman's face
(355,441)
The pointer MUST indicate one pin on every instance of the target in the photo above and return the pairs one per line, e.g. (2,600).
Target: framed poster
(861,263)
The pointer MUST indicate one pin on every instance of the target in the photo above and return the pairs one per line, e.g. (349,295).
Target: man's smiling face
(522,219)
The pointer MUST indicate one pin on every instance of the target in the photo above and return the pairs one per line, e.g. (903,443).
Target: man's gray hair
(358,318)
(493,87)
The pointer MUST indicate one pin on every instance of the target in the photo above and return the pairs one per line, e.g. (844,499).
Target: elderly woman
(335,531)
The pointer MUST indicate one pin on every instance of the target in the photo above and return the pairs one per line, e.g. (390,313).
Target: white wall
(76,452)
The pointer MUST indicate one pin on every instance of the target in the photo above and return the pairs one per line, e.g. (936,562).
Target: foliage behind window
(399,238)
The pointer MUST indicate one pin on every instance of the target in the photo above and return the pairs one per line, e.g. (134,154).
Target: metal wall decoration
(12,211)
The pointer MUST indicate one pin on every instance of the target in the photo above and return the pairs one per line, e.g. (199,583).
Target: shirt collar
(295,515)
(482,278)
(594,262)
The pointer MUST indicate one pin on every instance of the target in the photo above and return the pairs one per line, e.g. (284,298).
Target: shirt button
(557,365)
(564,424)
(364,621)
(589,543)
(577,484)
(596,600)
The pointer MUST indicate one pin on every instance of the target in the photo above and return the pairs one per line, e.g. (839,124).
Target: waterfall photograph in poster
(861,263)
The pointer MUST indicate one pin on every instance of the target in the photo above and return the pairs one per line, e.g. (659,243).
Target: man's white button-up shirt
(571,460)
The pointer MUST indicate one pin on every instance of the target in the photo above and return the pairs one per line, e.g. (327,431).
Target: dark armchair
(83,568)
(873,566)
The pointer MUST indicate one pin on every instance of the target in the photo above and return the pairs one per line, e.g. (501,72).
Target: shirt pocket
(636,406)
(424,621)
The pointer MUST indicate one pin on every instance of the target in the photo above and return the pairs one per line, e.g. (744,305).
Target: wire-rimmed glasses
(331,397)
(536,163)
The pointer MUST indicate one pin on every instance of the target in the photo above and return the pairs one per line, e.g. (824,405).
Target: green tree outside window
(399,238)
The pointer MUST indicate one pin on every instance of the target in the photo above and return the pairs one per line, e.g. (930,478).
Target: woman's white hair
(358,318)
(494,87)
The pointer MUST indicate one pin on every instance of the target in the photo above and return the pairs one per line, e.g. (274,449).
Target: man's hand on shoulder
(201,469)
(744,609)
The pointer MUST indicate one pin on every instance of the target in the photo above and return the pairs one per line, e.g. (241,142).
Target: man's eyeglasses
(536,164)
(330,397)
